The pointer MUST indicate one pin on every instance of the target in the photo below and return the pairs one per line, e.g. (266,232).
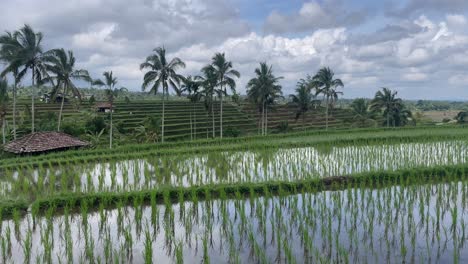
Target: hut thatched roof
(42,142)
(103,105)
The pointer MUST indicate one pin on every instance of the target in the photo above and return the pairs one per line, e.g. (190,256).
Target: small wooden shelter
(103,107)
(41,142)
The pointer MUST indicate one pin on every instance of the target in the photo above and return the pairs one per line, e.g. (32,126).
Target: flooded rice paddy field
(406,223)
(228,167)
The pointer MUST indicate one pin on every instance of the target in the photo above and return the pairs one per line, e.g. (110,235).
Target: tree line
(22,52)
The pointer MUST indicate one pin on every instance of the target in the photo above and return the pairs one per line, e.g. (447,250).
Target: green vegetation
(263,90)
(205,97)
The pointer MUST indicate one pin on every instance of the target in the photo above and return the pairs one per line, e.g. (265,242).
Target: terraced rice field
(357,196)
(179,114)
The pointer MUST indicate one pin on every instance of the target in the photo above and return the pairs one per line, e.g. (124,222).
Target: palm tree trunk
(388,119)
(212,116)
(3,129)
(32,102)
(326,115)
(194,121)
(263,118)
(221,115)
(191,127)
(303,121)
(14,107)
(111,127)
(259,122)
(61,109)
(163,113)
(266,121)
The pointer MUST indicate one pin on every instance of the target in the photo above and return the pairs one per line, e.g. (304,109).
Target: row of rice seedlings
(303,139)
(407,222)
(226,167)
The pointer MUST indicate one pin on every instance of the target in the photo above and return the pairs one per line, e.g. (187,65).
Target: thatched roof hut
(40,142)
(103,107)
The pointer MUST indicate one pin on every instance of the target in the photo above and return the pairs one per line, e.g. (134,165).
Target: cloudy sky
(418,47)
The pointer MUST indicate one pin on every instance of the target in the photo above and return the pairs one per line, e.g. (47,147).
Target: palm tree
(28,54)
(3,106)
(162,72)
(62,65)
(326,84)
(192,87)
(9,53)
(303,101)
(385,101)
(225,78)
(263,90)
(361,111)
(111,93)
(208,81)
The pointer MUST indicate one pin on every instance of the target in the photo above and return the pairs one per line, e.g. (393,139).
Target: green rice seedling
(89,247)
(27,245)
(68,235)
(148,244)
(128,245)
(179,254)
(6,244)
(206,257)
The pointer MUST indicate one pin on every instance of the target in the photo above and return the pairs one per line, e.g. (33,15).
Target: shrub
(71,128)
(462,117)
(232,132)
(47,121)
(283,127)
(95,125)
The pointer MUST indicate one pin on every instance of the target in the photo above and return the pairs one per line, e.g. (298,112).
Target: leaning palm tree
(28,54)
(162,72)
(326,84)
(3,106)
(225,78)
(9,48)
(303,100)
(61,65)
(385,101)
(263,90)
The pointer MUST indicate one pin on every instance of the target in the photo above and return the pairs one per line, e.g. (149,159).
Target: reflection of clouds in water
(248,166)
(356,221)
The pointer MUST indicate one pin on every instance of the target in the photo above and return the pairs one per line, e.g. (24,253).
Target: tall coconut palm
(263,90)
(111,93)
(28,54)
(192,87)
(303,100)
(225,78)
(326,85)
(3,106)
(208,81)
(385,101)
(162,72)
(9,48)
(61,65)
